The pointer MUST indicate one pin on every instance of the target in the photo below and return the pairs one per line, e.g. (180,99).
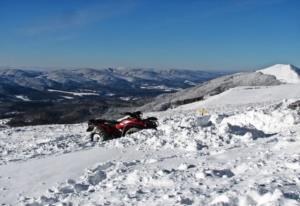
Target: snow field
(220,159)
(246,156)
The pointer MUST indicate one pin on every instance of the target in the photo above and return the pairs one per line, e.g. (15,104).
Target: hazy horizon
(41,68)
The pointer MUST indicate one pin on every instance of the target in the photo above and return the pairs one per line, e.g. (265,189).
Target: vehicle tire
(97,136)
(132,130)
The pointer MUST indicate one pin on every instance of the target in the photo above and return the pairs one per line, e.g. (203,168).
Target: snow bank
(278,120)
(194,132)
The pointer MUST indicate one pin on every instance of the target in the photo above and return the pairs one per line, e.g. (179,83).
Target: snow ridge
(286,73)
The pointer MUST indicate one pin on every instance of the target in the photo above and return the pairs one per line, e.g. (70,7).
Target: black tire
(98,135)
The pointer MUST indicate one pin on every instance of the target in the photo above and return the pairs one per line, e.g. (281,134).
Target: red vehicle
(103,130)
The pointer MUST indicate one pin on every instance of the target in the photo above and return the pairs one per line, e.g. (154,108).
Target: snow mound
(283,72)
(213,132)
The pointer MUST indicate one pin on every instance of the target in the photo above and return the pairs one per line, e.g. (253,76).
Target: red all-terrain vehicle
(103,130)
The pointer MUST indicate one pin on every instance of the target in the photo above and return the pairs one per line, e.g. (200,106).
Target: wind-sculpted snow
(236,158)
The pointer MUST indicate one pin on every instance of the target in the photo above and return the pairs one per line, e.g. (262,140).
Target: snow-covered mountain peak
(286,73)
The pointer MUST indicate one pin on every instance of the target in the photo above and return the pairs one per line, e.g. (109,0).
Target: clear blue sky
(193,34)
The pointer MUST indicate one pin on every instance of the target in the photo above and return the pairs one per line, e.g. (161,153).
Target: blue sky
(192,34)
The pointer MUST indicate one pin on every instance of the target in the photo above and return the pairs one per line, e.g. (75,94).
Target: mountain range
(66,84)
(31,97)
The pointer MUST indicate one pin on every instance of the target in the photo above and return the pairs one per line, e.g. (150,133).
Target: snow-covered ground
(243,151)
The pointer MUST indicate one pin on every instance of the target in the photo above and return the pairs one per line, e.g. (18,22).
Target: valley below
(34,97)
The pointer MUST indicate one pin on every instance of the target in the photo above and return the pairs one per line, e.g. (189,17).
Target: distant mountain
(209,88)
(286,73)
(108,83)
(76,95)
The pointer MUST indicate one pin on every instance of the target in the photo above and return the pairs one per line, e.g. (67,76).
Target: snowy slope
(284,72)
(247,154)
(210,88)
(238,97)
